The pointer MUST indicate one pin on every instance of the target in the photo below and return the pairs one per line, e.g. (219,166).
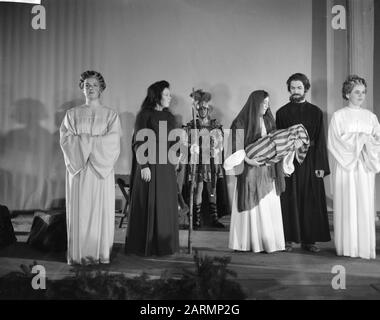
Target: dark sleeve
(321,158)
(279,121)
(142,122)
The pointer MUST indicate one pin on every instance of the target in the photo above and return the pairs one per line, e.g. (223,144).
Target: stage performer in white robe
(256,219)
(90,141)
(354,142)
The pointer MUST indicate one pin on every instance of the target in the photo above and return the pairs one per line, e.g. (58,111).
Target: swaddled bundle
(271,149)
(278,144)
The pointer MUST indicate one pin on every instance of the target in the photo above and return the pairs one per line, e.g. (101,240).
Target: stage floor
(281,275)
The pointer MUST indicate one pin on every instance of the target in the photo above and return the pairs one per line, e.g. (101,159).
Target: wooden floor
(281,275)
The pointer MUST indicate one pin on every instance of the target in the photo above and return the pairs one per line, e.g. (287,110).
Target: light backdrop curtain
(218,46)
(361,24)
(39,81)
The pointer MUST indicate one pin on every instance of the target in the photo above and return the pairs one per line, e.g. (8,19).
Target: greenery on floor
(210,280)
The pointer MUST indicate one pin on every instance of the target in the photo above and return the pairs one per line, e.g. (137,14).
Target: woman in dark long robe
(153,220)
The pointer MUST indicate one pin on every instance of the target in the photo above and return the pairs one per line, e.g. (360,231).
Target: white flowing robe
(90,141)
(258,229)
(354,142)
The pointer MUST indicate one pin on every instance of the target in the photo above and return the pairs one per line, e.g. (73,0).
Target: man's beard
(297,98)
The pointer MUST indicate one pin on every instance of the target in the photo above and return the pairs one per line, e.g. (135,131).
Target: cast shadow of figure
(25,155)
(328,180)
(221,98)
(123,164)
(180,107)
(57,170)
(127,123)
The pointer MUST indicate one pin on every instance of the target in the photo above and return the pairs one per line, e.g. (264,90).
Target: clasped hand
(255,163)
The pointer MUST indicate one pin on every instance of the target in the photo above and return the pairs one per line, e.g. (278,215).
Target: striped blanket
(278,144)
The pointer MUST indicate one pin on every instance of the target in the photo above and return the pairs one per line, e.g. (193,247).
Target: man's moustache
(296,97)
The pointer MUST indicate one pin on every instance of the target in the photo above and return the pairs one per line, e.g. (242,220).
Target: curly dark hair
(154,94)
(299,77)
(92,74)
(350,83)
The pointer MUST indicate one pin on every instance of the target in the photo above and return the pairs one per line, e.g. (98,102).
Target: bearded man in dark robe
(303,203)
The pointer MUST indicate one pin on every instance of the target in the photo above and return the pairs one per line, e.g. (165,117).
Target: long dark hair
(249,117)
(154,95)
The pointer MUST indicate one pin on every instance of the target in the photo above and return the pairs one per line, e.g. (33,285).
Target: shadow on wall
(327,180)
(25,155)
(179,108)
(124,163)
(221,99)
(318,96)
(32,168)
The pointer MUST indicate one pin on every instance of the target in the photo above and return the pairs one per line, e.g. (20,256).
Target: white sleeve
(371,151)
(344,147)
(106,148)
(76,148)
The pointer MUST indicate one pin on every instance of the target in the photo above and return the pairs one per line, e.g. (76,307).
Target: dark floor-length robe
(303,203)
(153,219)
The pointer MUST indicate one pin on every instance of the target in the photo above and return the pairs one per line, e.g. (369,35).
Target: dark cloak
(303,203)
(153,218)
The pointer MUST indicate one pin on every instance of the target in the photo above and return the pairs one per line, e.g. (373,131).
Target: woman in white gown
(354,142)
(256,219)
(90,141)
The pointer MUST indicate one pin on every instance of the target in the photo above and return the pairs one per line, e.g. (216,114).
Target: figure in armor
(207,143)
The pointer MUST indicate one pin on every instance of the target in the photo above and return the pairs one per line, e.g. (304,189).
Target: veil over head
(249,117)
(254,183)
